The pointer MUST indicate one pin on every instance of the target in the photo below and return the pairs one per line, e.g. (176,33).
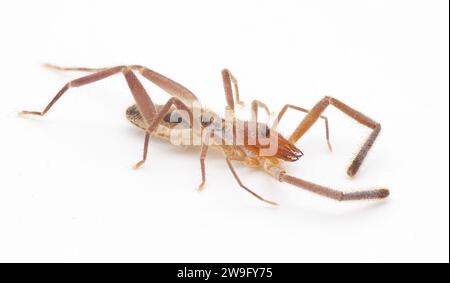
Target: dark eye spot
(206,122)
(264,131)
(173,118)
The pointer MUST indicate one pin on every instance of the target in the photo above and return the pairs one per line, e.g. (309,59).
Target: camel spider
(182,110)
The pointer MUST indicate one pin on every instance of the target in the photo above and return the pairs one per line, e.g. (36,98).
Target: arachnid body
(183,120)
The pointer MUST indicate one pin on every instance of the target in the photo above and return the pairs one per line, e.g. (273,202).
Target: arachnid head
(270,143)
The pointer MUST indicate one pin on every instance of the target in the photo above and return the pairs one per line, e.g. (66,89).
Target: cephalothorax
(183,120)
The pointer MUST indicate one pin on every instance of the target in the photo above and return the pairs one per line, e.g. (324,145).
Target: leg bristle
(335,194)
(370,194)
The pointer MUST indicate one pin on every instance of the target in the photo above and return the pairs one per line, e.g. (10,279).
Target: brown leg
(205,146)
(229,79)
(256,104)
(153,124)
(143,101)
(165,109)
(287,106)
(318,109)
(203,154)
(332,193)
(230,165)
(144,157)
(76,83)
(170,86)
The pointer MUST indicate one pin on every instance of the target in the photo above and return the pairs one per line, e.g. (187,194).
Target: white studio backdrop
(67,190)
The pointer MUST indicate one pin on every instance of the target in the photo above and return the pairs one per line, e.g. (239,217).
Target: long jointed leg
(289,106)
(228,80)
(165,109)
(206,137)
(144,155)
(143,100)
(152,118)
(318,109)
(203,154)
(76,83)
(335,194)
(230,165)
(170,86)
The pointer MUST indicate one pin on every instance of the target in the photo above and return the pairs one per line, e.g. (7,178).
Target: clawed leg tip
(351,172)
(201,187)
(330,148)
(384,193)
(271,203)
(50,66)
(138,165)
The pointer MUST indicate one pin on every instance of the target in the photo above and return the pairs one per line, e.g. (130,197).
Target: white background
(67,190)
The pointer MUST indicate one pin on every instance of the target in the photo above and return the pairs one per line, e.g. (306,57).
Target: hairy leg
(378,193)
(315,114)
